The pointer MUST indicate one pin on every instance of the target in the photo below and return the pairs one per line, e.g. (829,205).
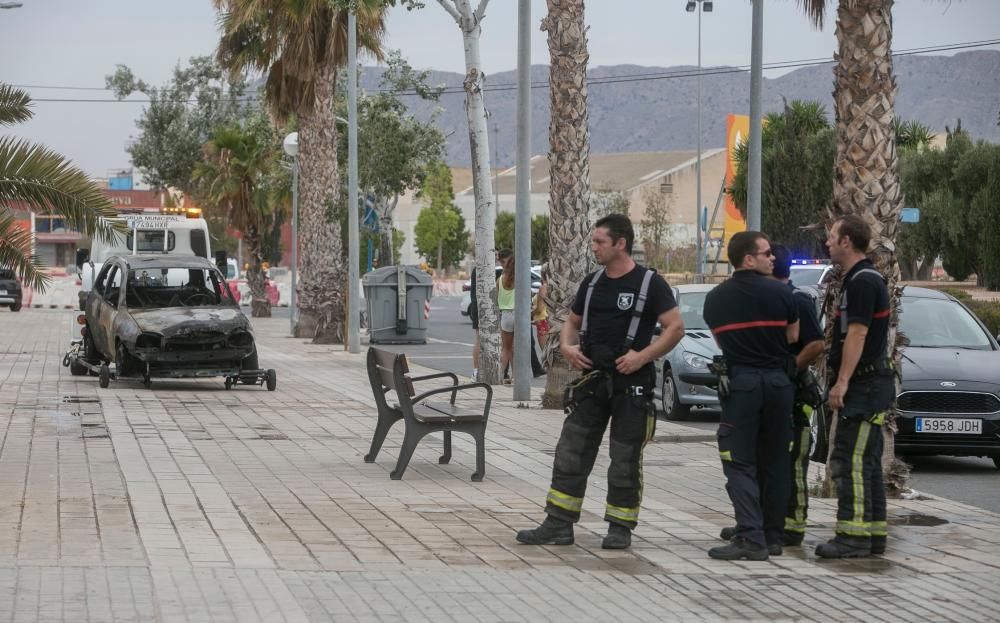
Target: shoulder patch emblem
(625,300)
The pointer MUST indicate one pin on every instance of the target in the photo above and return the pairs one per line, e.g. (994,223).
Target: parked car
(167,316)
(11,294)
(683,380)
(950,398)
(810,272)
(466,305)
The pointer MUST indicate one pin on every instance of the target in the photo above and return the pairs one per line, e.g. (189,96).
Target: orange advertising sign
(737,131)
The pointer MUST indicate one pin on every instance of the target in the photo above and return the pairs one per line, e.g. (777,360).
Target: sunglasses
(766,253)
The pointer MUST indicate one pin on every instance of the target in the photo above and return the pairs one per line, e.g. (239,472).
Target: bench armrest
(438,375)
(457,388)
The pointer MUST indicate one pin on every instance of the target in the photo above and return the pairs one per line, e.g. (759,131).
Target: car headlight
(148,340)
(695,361)
(241,339)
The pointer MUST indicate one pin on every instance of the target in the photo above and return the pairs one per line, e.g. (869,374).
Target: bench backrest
(389,371)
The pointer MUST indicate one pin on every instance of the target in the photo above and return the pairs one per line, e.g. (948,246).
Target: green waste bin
(398,300)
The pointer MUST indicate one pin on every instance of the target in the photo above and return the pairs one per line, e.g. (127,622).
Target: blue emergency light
(809,262)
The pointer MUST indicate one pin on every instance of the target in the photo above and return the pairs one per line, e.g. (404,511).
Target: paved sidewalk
(188,502)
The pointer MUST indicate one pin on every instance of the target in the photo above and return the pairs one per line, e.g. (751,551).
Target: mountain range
(636,108)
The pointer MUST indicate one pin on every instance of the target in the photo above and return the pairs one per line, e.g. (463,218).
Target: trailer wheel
(272,379)
(104,378)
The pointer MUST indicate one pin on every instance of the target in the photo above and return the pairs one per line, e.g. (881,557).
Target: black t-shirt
(865,300)
(809,329)
(748,315)
(611,307)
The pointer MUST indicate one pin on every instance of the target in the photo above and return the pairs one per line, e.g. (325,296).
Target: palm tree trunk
(569,171)
(469,21)
(259,305)
(322,266)
(866,169)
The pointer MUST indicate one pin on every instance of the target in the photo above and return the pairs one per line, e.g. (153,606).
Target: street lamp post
(699,6)
(291,147)
(756,78)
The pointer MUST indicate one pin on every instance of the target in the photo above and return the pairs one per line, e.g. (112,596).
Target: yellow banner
(737,131)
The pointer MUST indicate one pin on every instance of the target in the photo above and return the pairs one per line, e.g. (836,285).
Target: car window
(691,305)
(177,287)
(939,323)
(150,241)
(806,276)
(99,282)
(113,286)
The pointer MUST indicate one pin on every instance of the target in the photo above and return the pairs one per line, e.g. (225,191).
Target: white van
(148,234)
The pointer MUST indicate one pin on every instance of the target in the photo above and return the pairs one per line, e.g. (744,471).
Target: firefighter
(609,335)
(808,400)
(754,319)
(862,389)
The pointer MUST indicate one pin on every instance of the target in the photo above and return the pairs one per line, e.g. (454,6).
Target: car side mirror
(82,255)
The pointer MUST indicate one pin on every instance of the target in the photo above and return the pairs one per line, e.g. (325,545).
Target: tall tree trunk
(386,233)
(260,307)
(440,255)
(475,108)
(569,186)
(925,272)
(321,264)
(866,169)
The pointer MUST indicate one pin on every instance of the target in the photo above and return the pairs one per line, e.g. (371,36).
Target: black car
(950,398)
(168,316)
(10,290)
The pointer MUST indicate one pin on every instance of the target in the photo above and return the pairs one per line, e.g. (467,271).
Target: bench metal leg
(446,457)
(480,436)
(410,441)
(381,430)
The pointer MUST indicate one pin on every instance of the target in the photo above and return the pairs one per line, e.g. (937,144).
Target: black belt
(882,367)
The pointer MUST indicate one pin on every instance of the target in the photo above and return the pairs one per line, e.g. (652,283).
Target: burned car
(166,316)
(10,290)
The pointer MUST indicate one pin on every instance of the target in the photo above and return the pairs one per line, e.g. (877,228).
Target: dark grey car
(166,315)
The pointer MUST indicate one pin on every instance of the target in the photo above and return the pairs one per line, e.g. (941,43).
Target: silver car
(683,380)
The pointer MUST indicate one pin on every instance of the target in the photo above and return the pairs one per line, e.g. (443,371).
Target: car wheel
(76,368)
(672,407)
(125,363)
(16,307)
(996,461)
(820,447)
(250,362)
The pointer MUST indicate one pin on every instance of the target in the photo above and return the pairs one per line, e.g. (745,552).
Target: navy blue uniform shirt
(867,299)
(748,315)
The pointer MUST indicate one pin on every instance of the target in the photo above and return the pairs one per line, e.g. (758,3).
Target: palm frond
(15,253)
(815,10)
(15,105)
(41,180)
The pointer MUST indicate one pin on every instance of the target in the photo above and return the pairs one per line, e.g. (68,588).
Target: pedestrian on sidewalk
(474,316)
(808,399)
(505,303)
(754,319)
(609,336)
(862,390)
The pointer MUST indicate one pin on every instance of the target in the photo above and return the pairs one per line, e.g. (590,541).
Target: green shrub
(958,293)
(988,312)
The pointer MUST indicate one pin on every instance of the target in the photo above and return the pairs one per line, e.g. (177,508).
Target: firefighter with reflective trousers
(754,319)
(609,336)
(862,388)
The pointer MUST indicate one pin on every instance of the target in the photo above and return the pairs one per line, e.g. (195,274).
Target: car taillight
(466,287)
(81,319)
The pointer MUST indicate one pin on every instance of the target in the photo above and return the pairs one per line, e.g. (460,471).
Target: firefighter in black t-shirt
(609,336)
(754,319)
(862,390)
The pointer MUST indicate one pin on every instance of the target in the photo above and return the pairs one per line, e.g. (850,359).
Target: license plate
(958,426)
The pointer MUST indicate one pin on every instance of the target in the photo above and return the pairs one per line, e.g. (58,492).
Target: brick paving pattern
(188,502)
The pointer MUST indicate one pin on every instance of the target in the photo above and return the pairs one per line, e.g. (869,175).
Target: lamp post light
(699,7)
(291,147)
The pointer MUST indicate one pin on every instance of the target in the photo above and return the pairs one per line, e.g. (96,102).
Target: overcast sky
(75,43)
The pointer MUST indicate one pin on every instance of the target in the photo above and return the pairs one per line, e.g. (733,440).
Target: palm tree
(300,46)
(40,180)
(569,171)
(866,167)
(237,164)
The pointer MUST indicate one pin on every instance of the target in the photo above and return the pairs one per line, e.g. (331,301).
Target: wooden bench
(389,372)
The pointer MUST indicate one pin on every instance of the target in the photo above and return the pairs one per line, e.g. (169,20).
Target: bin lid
(386,276)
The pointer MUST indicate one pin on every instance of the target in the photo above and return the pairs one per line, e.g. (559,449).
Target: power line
(624,78)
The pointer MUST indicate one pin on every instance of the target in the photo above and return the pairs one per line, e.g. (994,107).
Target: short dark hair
(857,229)
(618,226)
(742,244)
(782,261)
(503,254)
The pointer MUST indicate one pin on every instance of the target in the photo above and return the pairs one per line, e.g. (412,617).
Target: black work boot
(738,549)
(728,533)
(878,544)
(792,539)
(552,531)
(774,549)
(845,547)
(619,537)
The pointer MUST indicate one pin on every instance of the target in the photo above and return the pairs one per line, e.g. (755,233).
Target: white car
(809,272)
(466,304)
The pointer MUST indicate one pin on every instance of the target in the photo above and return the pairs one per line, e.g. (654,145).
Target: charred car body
(10,290)
(167,316)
